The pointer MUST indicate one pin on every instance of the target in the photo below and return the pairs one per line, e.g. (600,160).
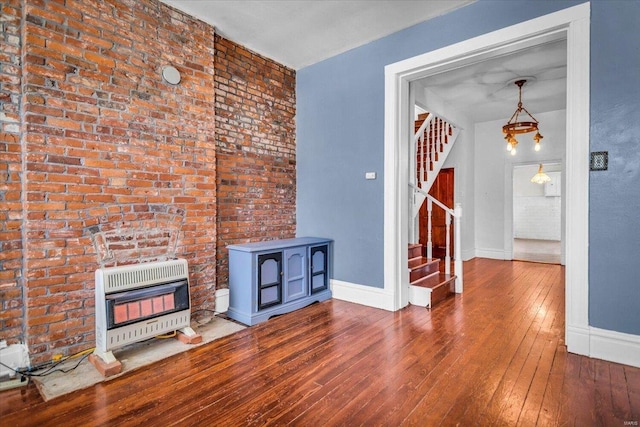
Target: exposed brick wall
(256,159)
(91,135)
(104,131)
(11,305)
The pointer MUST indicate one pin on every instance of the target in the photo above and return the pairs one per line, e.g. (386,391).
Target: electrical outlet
(370,175)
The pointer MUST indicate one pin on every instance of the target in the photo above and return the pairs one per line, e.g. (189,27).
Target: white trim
(577,182)
(615,346)
(468,254)
(572,23)
(491,253)
(361,294)
(579,338)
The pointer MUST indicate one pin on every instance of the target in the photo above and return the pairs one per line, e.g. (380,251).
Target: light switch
(370,175)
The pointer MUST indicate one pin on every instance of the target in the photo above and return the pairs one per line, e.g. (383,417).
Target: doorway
(537,214)
(573,24)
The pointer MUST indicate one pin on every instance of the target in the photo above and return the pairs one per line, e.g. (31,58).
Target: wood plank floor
(493,356)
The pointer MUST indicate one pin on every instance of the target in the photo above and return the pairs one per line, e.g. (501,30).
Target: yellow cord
(169,335)
(60,358)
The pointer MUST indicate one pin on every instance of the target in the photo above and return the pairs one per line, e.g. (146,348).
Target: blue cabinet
(276,277)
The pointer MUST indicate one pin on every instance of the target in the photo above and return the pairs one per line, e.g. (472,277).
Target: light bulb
(513,151)
(537,146)
(509,146)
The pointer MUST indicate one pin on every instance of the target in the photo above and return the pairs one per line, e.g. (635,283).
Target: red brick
(104,134)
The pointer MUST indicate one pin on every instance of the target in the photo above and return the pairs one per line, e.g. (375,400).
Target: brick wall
(256,157)
(11,305)
(104,134)
(91,135)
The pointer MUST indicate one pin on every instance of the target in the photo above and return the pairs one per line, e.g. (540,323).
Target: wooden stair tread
(435,281)
(418,262)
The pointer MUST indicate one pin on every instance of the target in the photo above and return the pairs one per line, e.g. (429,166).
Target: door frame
(509,206)
(573,24)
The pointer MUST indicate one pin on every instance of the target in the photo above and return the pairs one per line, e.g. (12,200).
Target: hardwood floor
(493,356)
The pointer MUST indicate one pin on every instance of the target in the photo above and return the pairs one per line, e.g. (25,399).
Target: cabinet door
(269,280)
(319,270)
(295,273)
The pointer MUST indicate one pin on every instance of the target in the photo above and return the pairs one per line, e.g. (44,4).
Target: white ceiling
(485,91)
(298,33)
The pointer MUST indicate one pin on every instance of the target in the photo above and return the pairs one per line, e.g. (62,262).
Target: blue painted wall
(614,195)
(340,105)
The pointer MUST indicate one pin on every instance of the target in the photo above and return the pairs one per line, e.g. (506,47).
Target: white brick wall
(537,218)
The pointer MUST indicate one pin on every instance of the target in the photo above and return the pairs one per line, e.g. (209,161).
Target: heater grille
(117,279)
(141,331)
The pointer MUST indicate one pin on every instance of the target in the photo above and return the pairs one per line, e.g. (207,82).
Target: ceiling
(297,33)
(486,90)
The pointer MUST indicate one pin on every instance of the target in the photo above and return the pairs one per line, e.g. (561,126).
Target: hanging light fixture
(515,127)
(540,177)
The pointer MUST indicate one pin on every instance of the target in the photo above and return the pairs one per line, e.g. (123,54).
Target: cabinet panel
(319,268)
(269,279)
(295,273)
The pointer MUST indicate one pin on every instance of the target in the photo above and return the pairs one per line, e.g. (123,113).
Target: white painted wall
(493,178)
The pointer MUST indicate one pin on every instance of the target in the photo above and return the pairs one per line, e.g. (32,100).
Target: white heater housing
(125,303)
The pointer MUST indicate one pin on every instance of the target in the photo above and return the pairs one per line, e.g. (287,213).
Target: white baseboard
(577,340)
(468,254)
(491,253)
(615,346)
(603,344)
(360,294)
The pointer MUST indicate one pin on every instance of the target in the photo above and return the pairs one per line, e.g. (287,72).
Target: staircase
(434,137)
(433,140)
(429,285)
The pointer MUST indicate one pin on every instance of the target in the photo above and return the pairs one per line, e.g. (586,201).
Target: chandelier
(515,127)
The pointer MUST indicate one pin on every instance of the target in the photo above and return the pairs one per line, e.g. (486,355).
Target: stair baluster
(447,254)
(429,232)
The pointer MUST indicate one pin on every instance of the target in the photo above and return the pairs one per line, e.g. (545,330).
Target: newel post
(458,249)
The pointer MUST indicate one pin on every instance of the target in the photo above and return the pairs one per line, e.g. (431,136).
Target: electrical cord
(49,371)
(167,335)
(33,371)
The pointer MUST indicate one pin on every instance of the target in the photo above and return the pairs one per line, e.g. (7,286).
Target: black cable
(49,370)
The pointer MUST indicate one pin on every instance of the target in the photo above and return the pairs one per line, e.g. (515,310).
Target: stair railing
(450,215)
(429,142)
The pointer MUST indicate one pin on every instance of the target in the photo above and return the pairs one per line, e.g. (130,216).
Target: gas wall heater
(141,301)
